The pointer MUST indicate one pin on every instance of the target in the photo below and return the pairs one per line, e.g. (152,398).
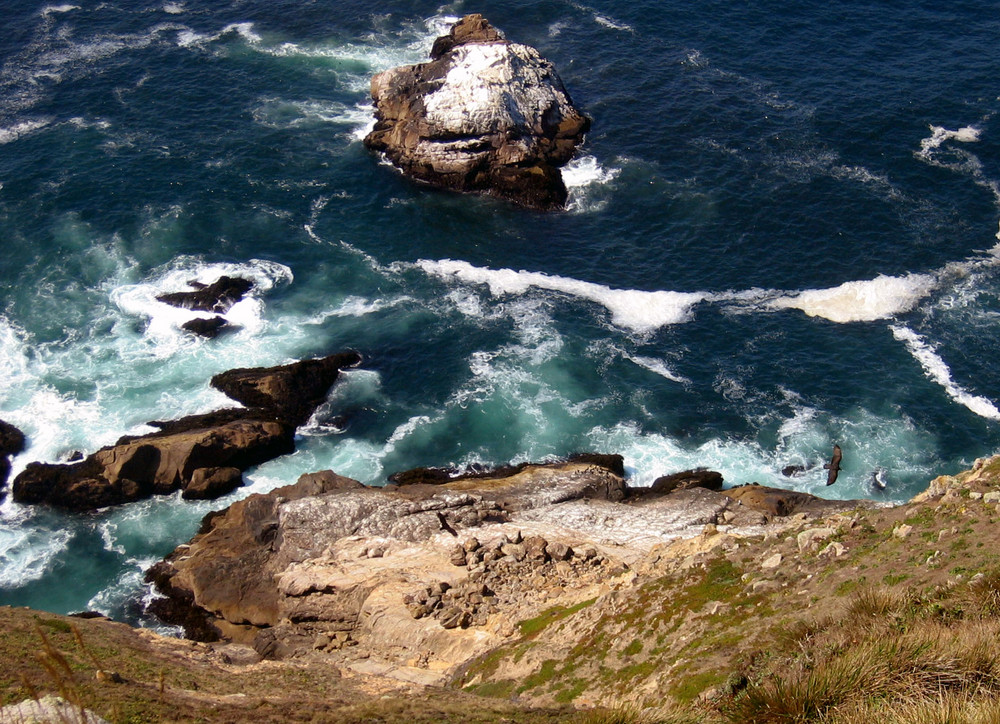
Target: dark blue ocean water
(782,235)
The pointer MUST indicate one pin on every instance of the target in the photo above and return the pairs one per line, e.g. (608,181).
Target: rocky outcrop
(484,115)
(416,580)
(11,443)
(208,327)
(698,478)
(217,297)
(203,455)
(290,392)
(777,501)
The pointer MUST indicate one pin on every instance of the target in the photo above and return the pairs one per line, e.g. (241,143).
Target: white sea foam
(861,301)
(19,130)
(187,38)
(54,423)
(581,176)
(613,24)
(659,367)
(936,150)
(937,370)
(27,552)
(173,8)
(604,20)
(278,113)
(58,9)
(639,311)
(165,320)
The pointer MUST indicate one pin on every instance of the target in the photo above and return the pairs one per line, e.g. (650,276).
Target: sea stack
(484,115)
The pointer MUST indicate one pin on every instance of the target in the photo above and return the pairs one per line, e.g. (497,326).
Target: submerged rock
(484,115)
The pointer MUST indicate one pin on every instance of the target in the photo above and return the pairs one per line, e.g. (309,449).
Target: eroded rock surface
(414,581)
(484,115)
(203,455)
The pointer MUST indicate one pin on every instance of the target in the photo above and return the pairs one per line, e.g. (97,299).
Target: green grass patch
(531,626)
(543,676)
(633,648)
(577,687)
(687,688)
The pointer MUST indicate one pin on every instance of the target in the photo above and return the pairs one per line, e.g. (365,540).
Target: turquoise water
(782,234)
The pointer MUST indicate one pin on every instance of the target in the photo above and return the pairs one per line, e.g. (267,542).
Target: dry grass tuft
(883,653)
(634,715)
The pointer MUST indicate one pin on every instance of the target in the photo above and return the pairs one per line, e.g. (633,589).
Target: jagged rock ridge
(203,455)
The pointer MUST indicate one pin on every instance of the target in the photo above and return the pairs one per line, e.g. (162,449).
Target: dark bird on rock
(833,466)
(445,526)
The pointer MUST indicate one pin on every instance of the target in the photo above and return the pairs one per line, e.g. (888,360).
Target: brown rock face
(203,455)
(700,478)
(775,501)
(484,115)
(291,392)
(158,463)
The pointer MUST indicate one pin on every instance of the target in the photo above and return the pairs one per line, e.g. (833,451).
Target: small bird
(445,526)
(833,466)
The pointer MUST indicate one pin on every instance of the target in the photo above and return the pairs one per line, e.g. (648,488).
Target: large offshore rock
(484,115)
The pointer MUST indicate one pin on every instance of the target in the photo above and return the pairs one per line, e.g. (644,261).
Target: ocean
(782,235)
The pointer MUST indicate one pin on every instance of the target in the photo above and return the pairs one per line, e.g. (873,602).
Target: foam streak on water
(633,309)
(861,301)
(937,370)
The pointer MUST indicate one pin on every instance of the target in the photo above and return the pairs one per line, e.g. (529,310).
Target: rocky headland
(416,581)
(551,591)
(484,115)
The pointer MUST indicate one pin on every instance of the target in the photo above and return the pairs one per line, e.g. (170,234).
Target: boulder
(208,327)
(698,478)
(484,115)
(210,483)
(11,439)
(291,392)
(776,501)
(11,443)
(217,297)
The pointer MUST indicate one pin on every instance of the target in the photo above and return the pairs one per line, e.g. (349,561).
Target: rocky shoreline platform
(416,581)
